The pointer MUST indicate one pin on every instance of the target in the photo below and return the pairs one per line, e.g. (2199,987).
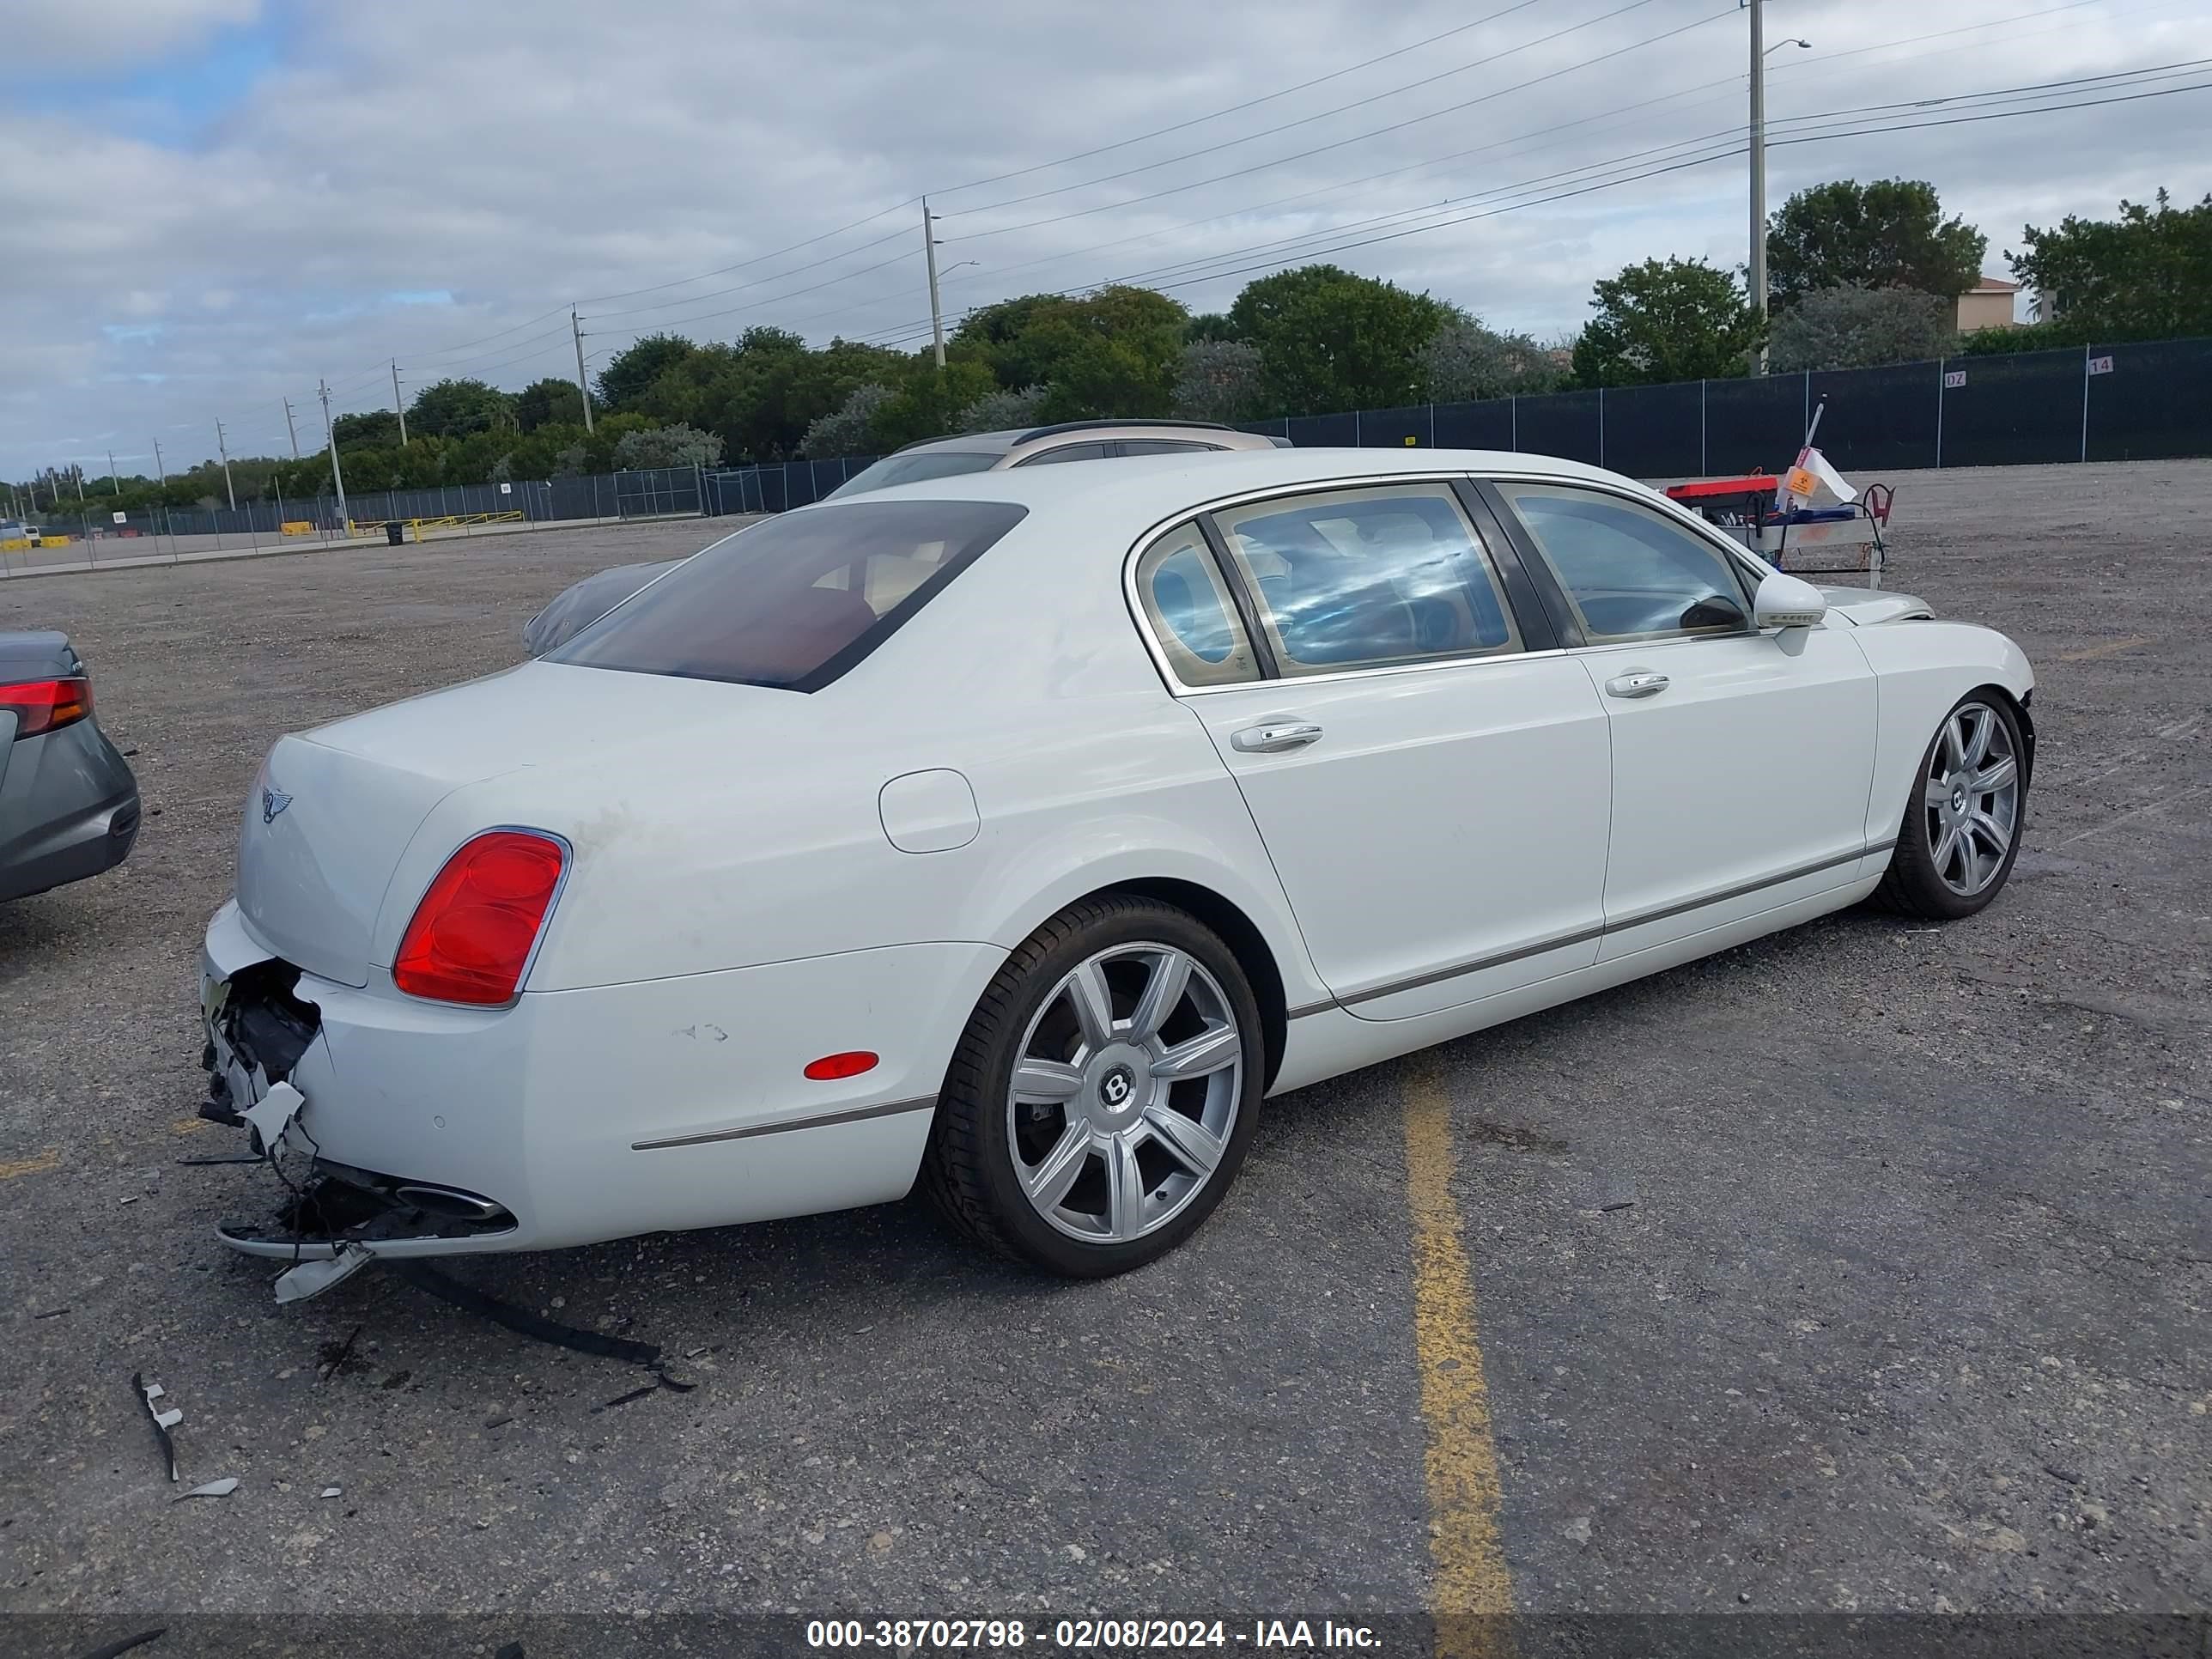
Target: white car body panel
(1434,768)
(1754,762)
(758,876)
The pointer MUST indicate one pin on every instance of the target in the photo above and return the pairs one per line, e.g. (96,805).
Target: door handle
(1636,685)
(1274,738)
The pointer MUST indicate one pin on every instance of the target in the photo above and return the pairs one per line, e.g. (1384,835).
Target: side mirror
(1786,602)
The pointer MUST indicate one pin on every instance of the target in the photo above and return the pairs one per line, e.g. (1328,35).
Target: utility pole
(115,482)
(1759,180)
(396,404)
(936,312)
(158,467)
(583,386)
(338,478)
(223,450)
(291,430)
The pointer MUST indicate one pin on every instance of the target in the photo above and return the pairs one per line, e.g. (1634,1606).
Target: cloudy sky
(210,205)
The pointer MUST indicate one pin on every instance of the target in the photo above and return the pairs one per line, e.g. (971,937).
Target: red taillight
(473,933)
(830,1067)
(44,705)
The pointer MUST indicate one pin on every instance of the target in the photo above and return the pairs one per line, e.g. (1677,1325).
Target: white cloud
(46,36)
(517,155)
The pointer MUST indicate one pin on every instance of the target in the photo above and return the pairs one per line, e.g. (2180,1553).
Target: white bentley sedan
(1020,832)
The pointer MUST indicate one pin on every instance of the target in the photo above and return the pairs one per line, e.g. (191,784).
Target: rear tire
(1104,1092)
(1962,826)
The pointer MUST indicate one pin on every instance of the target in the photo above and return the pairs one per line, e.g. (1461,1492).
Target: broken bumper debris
(261,1054)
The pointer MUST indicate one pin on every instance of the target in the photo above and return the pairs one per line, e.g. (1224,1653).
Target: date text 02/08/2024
(1084,1634)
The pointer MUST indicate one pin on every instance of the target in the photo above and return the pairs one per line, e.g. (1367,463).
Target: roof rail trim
(1059,426)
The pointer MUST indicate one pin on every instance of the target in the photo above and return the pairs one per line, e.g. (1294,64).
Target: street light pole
(1759,180)
(936,311)
(583,385)
(337,478)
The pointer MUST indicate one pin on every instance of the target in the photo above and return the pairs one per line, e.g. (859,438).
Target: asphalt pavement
(1862,1269)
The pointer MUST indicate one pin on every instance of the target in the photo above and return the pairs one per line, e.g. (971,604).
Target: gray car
(583,603)
(69,807)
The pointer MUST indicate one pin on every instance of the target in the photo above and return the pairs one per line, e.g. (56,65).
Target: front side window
(1629,572)
(1191,612)
(796,601)
(1362,578)
(914,469)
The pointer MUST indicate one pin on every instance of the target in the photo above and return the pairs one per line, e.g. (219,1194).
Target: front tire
(1103,1094)
(1962,825)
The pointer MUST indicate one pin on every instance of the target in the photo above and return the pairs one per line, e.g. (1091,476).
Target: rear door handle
(1274,738)
(1636,685)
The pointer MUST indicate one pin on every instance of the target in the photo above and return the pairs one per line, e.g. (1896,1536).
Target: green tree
(1002,410)
(1861,327)
(1220,379)
(928,400)
(458,408)
(1329,340)
(2144,276)
(637,365)
(848,430)
(1110,353)
(668,446)
(1671,320)
(551,401)
(1890,233)
(1464,361)
(373,426)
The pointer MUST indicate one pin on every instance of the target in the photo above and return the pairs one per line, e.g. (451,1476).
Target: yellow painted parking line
(23,1166)
(2109,648)
(1473,1589)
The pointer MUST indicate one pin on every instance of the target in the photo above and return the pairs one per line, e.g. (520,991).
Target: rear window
(797,600)
(913,469)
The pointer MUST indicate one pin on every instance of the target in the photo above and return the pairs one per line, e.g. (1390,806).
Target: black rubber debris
(523,1323)
(140,1640)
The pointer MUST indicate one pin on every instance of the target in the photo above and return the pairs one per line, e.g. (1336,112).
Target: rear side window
(796,601)
(1364,578)
(1066,452)
(1161,447)
(1191,613)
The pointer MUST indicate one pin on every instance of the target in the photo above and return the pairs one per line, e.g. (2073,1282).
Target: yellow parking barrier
(296,527)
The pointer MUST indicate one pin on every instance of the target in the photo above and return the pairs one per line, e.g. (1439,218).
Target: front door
(1430,781)
(1742,761)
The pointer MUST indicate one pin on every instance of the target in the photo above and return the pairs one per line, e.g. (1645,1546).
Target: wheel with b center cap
(1104,1092)
(1963,820)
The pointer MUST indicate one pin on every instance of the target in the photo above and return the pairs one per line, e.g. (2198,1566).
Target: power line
(1356,138)
(1323,115)
(1249,103)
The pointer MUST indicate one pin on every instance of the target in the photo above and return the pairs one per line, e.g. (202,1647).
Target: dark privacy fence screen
(2150,400)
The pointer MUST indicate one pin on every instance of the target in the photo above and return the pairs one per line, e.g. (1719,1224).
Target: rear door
(1742,761)
(1430,774)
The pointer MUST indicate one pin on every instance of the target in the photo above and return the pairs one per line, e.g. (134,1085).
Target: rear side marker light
(40,706)
(473,932)
(830,1067)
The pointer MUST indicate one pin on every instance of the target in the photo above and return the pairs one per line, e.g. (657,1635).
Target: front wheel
(1103,1093)
(1962,826)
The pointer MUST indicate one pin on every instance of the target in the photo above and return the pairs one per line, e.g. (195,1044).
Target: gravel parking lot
(1865,1269)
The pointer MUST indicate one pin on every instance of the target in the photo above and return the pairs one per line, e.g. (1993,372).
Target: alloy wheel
(1125,1092)
(1970,799)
